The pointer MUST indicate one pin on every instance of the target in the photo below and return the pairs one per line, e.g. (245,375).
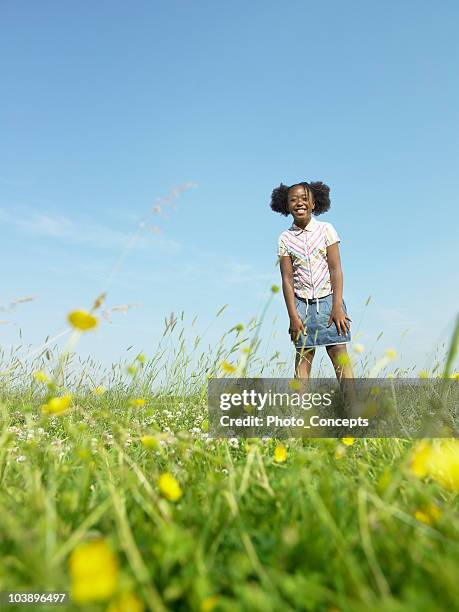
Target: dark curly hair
(319,191)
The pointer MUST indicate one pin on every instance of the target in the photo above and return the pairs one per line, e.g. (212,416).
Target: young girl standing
(312,279)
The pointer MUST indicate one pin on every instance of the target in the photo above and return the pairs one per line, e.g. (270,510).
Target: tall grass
(334,527)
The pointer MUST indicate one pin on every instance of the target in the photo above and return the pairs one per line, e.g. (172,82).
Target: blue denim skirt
(315,315)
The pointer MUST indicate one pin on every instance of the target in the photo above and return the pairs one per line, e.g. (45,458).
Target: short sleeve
(281,248)
(331,235)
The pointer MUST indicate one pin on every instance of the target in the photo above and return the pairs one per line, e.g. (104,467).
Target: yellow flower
(94,572)
(418,458)
(422,517)
(169,487)
(280,453)
(141,358)
(132,370)
(57,405)
(149,441)
(434,511)
(358,348)
(391,354)
(348,441)
(41,377)
(82,320)
(126,602)
(455,375)
(138,401)
(424,374)
(428,515)
(100,390)
(208,604)
(227,367)
(294,384)
(275,289)
(441,462)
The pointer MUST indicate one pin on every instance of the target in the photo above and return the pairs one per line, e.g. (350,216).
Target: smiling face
(300,205)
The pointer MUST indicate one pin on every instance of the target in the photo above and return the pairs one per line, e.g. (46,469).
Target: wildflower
(227,367)
(100,390)
(348,441)
(126,602)
(20,459)
(138,401)
(149,441)
(424,374)
(82,320)
(455,375)
(358,348)
(280,453)
(132,370)
(94,572)
(428,515)
(422,517)
(294,384)
(239,327)
(141,358)
(441,462)
(57,405)
(41,377)
(418,459)
(391,354)
(208,604)
(169,487)
(275,289)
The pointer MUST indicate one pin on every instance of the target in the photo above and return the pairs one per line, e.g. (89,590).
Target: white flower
(234,442)
(20,459)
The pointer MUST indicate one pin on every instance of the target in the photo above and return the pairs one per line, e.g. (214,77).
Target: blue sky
(108,106)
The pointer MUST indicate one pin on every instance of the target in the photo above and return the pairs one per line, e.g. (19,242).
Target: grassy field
(118,495)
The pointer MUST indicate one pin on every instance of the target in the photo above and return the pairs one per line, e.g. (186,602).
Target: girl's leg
(343,369)
(340,360)
(303,362)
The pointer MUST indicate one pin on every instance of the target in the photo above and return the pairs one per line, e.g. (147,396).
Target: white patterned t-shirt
(307,249)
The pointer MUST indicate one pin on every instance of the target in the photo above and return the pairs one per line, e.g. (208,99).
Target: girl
(312,279)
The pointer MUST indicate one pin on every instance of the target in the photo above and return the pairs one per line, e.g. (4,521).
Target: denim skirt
(315,314)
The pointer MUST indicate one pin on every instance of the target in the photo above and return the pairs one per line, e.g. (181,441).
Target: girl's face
(299,203)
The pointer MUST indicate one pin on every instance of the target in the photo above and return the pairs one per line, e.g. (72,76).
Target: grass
(333,527)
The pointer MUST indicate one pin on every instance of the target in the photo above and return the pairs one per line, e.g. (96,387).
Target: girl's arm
(296,324)
(336,277)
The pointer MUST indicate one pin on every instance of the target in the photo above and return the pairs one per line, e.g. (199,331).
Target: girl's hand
(341,320)
(296,327)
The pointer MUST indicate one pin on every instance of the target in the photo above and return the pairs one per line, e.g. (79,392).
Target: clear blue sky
(107,106)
